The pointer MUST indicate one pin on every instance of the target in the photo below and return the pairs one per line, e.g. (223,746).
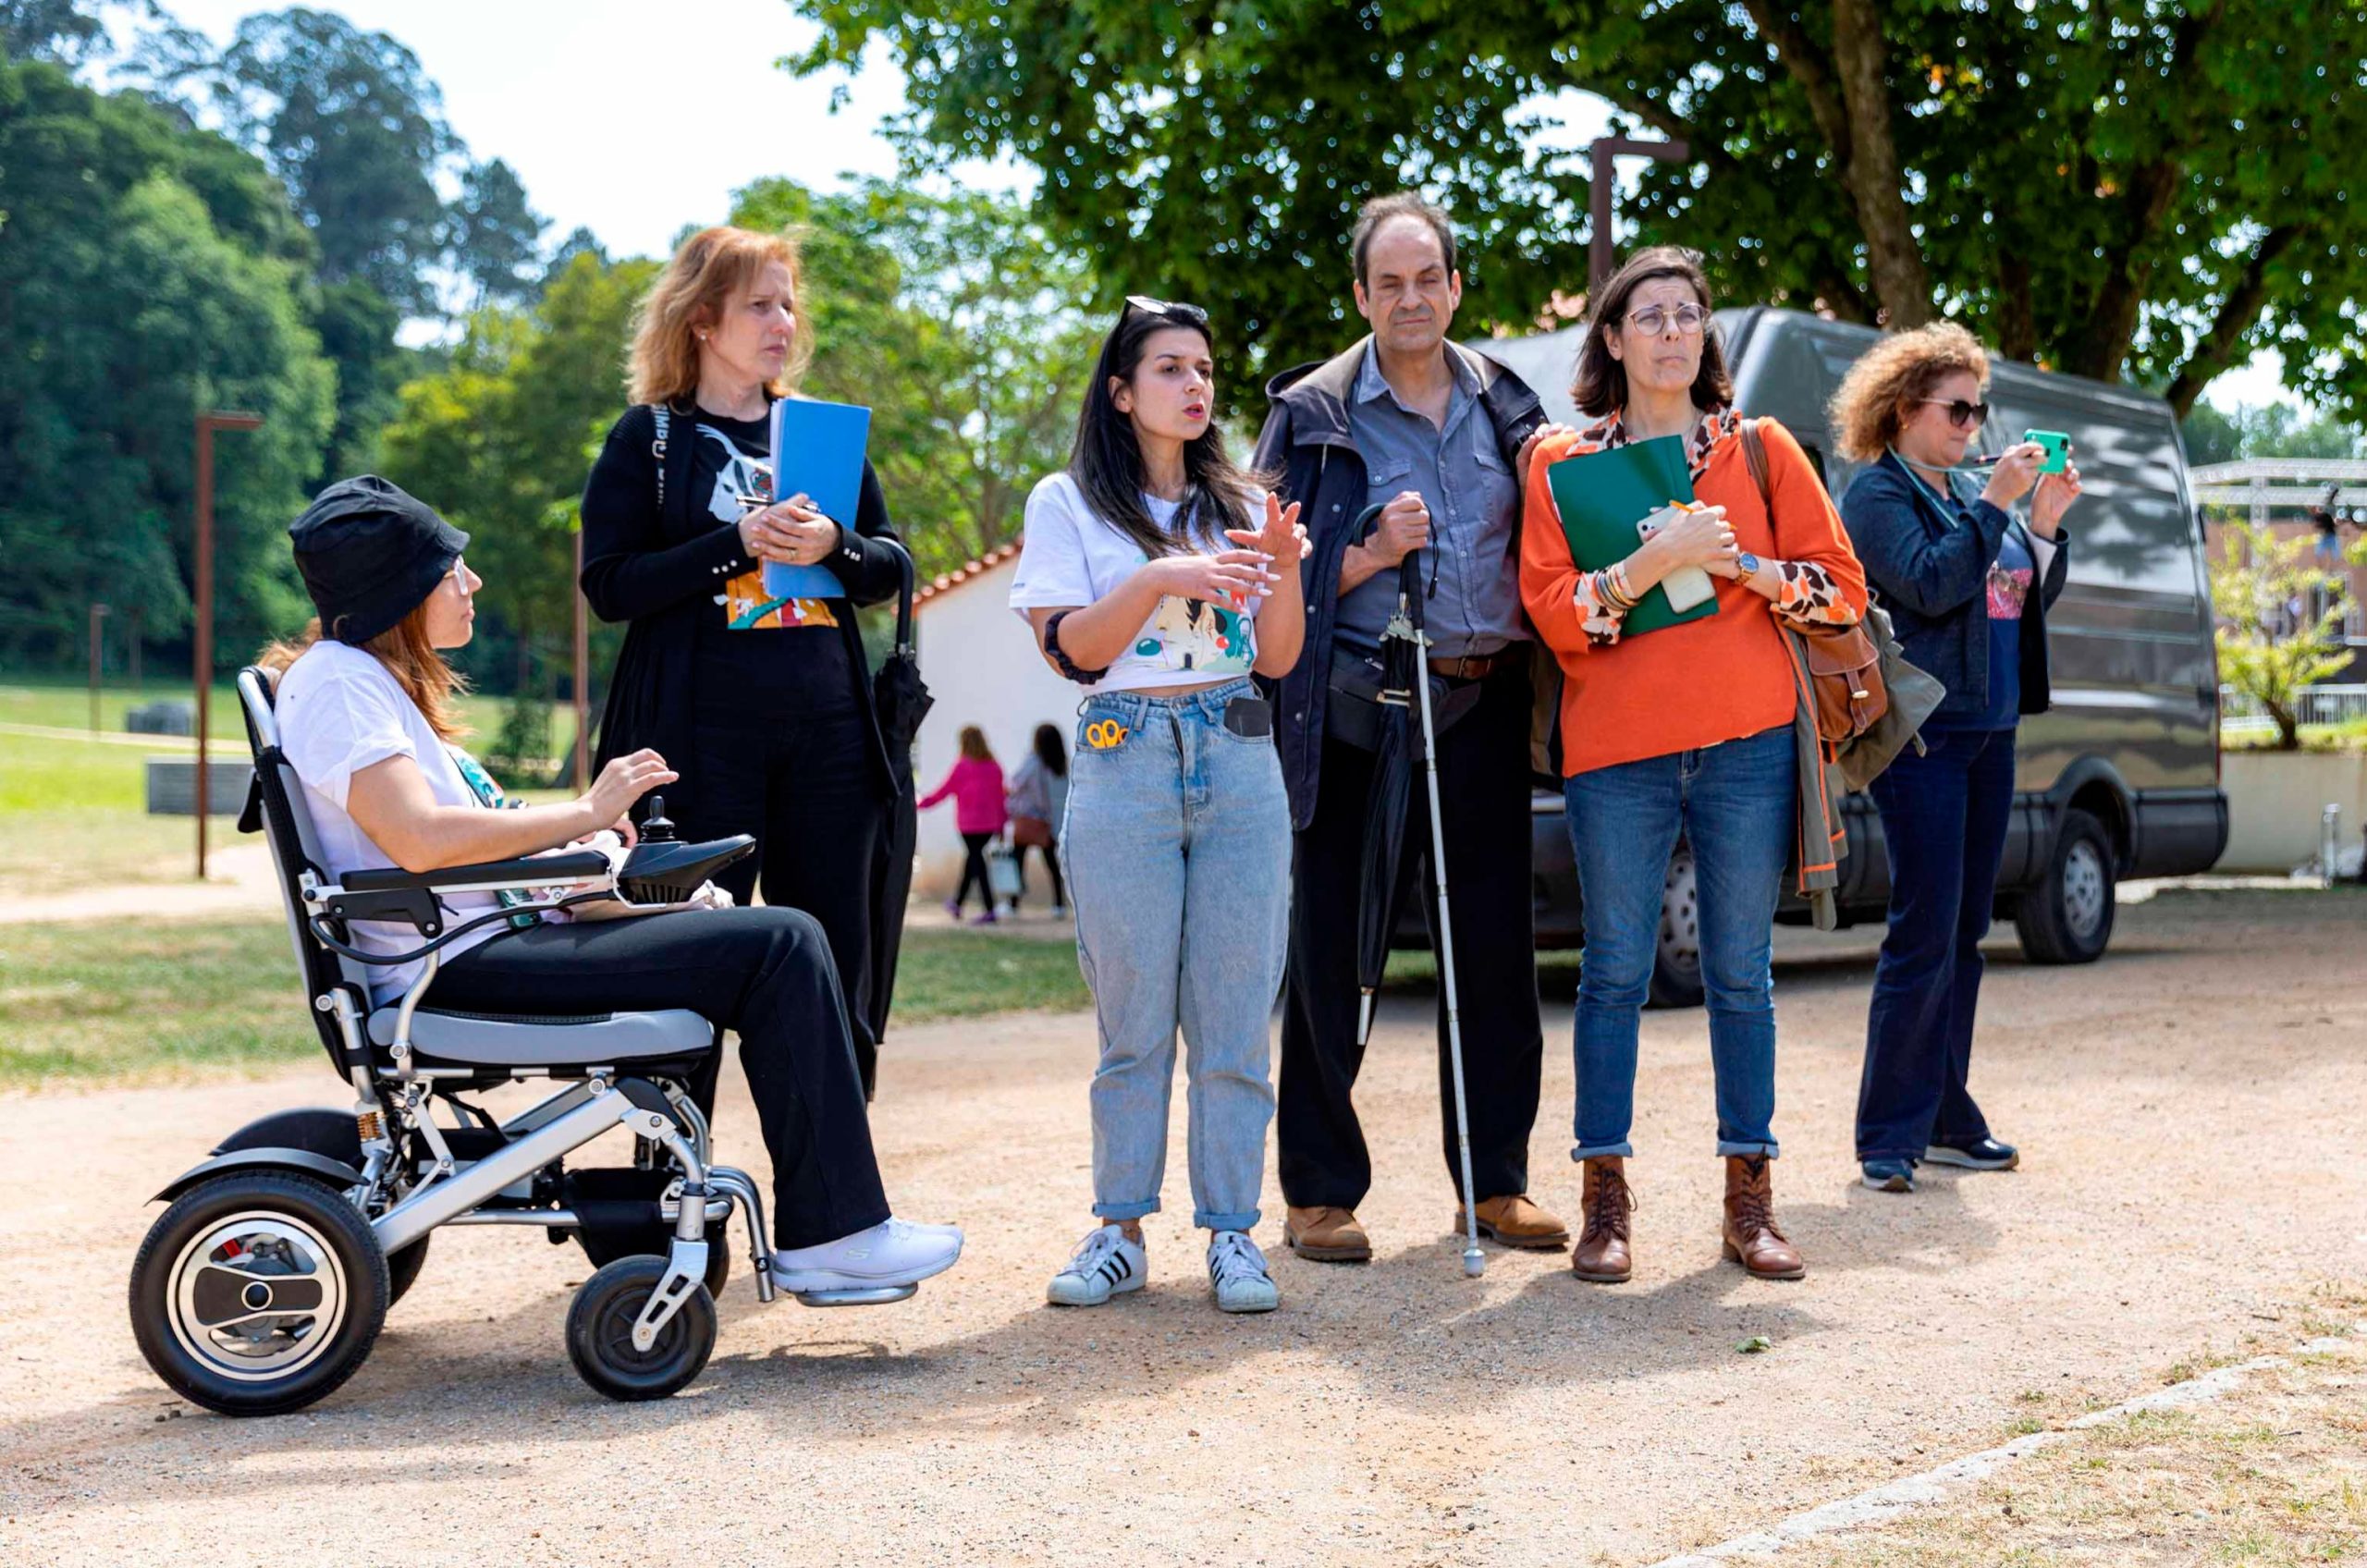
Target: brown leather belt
(1469,667)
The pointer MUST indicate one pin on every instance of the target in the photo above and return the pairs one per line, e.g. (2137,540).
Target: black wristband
(1068,666)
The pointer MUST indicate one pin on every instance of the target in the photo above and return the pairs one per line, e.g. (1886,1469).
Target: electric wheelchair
(263,1286)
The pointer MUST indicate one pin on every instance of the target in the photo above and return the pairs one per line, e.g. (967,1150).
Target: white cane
(1475,1263)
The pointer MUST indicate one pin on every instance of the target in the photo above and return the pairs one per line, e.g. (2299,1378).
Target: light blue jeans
(1177,847)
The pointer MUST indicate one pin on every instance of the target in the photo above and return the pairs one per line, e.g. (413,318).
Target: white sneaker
(1237,1270)
(891,1252)
(1106,1265)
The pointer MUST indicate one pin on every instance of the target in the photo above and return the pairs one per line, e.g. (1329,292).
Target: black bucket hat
(370,555)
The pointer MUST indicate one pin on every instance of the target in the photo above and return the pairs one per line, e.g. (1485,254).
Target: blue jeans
(1177,845)
(1738,807)
(1944,816)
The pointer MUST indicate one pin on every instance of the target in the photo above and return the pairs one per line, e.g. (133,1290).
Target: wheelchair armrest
(486,876)
(390,893)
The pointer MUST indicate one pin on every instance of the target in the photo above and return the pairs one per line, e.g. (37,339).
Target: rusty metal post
(98,656)
(203,639)
(1602,261)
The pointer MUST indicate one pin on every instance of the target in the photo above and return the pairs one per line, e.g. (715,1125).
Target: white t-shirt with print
(341,711)
(1071,557)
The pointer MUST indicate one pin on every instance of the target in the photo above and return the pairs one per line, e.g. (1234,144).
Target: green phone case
(2058,449)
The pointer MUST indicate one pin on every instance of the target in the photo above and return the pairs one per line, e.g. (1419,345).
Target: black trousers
(1051,854)
(801,780)
(1483,793)
(973,870)
(764,972)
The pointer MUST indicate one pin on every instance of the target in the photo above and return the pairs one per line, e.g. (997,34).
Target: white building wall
(982,667)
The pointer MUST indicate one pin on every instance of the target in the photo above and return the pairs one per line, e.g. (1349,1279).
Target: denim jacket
(1931,571)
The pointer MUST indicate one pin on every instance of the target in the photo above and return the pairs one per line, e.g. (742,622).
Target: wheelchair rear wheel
(323,1130)
(599,1333)
(258,1293)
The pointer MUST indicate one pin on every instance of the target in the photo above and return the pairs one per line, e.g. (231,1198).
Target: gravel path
(2189,1107)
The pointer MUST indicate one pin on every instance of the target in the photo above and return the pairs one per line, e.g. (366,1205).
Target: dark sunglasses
(1963,414)
(1190,316)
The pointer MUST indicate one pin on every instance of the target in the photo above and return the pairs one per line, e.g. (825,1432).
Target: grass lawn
(94,1001)
(73,811)
(2273,1475)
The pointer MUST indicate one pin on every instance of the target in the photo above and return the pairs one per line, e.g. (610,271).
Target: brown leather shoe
(1751,1238)
(1601,1256)
(1327,1235)
(1517,1222)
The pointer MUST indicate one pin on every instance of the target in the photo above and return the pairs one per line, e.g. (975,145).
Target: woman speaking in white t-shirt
(1148,575)
(364,703)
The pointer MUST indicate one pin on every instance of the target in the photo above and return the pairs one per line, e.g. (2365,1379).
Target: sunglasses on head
(1190,316)
(1963,414)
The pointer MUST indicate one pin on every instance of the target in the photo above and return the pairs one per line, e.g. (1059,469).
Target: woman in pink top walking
(975,784)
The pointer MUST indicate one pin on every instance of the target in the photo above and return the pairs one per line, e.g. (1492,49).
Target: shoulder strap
(1754,456)
(664,417)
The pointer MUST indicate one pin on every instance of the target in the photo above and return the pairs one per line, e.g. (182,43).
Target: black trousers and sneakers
(765,973)
(1483,790)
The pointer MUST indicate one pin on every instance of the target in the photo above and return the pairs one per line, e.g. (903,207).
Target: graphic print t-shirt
(734,459)
(2009,589)
(1071,557)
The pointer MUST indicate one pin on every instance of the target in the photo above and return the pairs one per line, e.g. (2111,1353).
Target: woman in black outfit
(764,707)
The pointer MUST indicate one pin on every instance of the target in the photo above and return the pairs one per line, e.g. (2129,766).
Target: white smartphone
(1686,586)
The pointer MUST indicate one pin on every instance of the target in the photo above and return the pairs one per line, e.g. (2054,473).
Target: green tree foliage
(2267,430)
(58,31)
(2271,646)
(353,125)
(2153,191)
(495,238)
(954,319)
(147,271)
(500,441)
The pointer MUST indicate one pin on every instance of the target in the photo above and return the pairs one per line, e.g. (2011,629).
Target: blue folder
(817,451)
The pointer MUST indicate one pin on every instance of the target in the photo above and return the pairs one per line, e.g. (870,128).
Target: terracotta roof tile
(963,573)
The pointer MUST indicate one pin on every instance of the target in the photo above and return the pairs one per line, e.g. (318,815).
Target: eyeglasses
(1653,320)
(1961,414)
(1190,316)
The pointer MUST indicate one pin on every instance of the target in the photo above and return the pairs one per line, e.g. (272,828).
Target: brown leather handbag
(1845,665)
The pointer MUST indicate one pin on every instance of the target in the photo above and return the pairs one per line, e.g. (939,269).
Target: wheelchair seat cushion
(485,1039)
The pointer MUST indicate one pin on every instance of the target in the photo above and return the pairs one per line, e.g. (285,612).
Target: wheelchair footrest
(878,1296)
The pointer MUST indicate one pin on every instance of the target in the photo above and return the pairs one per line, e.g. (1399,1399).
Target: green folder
(1603,496)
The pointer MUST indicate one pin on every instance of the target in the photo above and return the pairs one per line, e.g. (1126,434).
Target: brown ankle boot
(1601,1256)
(1751,1238)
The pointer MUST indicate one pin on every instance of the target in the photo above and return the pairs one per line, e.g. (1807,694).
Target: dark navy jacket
(1306,441)
(1932,573)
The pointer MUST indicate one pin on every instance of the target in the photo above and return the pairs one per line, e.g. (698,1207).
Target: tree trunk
(1877,188)
(2225,338)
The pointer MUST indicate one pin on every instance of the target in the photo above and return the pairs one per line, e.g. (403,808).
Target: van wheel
(1676,959)
(2067,917)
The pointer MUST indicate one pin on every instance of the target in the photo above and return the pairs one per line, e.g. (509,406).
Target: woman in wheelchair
(365,718)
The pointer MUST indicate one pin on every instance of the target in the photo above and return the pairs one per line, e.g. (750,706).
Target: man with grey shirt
(1440,437)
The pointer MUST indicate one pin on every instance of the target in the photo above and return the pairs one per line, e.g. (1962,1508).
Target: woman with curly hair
(1967,586)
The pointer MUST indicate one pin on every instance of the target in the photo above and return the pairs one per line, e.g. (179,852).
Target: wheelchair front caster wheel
(258,1293)
(599,1333)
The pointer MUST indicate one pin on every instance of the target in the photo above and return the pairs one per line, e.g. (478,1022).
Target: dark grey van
(2121,779)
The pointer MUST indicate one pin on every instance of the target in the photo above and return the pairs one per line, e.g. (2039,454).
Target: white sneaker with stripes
(1106,1265)
(1237,1272)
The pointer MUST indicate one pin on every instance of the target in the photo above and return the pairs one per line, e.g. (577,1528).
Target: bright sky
(634,120)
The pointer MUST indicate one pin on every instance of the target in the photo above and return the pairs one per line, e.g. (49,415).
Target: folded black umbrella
(1380,874)
(902,700)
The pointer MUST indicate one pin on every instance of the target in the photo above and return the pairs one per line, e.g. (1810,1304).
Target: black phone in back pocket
(1252,718)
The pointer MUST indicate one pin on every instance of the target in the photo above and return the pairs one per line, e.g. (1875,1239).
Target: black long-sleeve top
(662,570)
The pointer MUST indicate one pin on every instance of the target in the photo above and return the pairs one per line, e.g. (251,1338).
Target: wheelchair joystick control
(657,828)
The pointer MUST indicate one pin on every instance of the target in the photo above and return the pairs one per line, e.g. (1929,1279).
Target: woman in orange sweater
(1684,730)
